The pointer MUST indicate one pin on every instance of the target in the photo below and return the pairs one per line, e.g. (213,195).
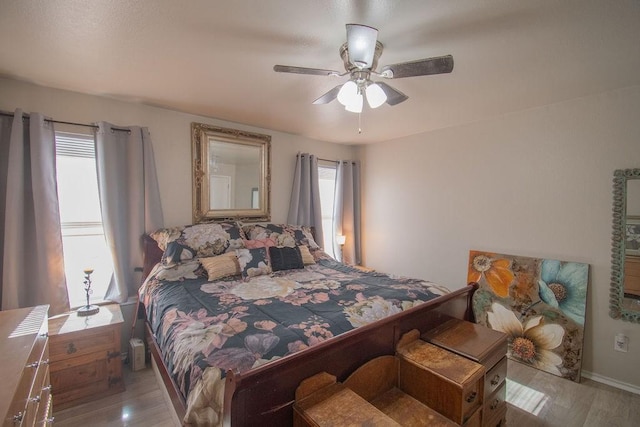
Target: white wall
(534,183)
(171,136)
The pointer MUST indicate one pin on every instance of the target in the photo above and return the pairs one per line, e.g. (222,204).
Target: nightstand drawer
(84,342)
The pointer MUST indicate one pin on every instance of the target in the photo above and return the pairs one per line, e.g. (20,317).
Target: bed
(233,342)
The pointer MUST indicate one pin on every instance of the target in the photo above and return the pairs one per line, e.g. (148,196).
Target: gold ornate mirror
(231,174)
(624,300)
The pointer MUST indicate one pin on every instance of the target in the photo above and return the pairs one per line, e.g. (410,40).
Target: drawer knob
(34,364)
(35,399)
(47,388)
(495,380)
(18,418)
(45,335)
(495,404)
(71,348)
(49,421)
(471,397)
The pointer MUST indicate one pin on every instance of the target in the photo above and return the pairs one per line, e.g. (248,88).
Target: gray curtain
(129,201)
(32,263)
(304,206)
(347,211)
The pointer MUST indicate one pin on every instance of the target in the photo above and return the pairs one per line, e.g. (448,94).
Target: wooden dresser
(485,346)
(85,356)
(25,395)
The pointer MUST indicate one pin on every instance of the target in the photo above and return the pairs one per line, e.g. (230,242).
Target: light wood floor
(535,399)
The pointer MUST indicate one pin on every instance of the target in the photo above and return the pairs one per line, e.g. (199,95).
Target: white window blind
(83,240)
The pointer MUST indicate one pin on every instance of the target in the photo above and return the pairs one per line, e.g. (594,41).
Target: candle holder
(88,309)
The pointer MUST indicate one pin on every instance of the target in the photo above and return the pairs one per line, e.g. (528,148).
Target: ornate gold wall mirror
(624,299)
(231,174)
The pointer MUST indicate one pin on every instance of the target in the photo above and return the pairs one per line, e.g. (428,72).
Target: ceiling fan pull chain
(360,123)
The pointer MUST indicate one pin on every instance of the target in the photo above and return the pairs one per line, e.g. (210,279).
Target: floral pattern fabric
(282,234)
(200,240)
(206,328)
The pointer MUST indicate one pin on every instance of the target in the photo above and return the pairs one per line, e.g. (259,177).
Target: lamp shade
(348,93)
(375,96)
(361,42)
(355,106)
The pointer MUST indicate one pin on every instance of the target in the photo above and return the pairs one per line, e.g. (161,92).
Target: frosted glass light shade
(356,104)
(375,96)
(348,92)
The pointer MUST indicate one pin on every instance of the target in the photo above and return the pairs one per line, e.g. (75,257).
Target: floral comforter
(206,328)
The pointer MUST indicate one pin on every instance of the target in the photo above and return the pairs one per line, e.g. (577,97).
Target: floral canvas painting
(539,303)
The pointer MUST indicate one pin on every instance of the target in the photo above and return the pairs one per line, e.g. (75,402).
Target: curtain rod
(26,116)
(334,161)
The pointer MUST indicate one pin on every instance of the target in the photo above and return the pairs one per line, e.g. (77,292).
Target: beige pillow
(307,258)
(221,266)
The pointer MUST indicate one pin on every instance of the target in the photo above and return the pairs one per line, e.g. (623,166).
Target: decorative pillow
(260,243)
(307,258)
(199,240)
(285,258)
(253,262)
(221,266)
(284,235)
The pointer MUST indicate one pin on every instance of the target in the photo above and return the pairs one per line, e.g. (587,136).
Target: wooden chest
(25,395)
(485,346)
(449,383)
(85,356)
(369,397)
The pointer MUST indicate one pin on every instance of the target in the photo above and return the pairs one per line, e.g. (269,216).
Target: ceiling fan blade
(303,70)
(394,96)
(361,43)
(421,67)
(329,96)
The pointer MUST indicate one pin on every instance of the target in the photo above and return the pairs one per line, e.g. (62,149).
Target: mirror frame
(200,135)
(618,251)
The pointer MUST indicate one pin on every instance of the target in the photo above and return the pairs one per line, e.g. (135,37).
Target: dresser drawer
(495,377)
(495,407)
(71,345)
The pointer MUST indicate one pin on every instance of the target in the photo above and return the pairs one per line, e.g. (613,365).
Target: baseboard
(610,381)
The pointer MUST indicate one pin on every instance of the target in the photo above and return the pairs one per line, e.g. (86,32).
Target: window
(327,183)
(83,240)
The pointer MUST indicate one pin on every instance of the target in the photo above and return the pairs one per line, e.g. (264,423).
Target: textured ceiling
(215,58)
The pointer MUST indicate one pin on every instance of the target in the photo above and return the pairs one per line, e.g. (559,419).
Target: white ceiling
(215,58)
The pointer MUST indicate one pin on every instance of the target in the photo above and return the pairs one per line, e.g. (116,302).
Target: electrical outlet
(621,343)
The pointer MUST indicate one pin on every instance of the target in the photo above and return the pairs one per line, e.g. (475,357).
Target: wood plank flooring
(535,399)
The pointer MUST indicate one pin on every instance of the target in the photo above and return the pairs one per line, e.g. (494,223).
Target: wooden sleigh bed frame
(265,395)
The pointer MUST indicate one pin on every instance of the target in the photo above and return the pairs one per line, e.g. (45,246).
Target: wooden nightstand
(85,356)
(485,346)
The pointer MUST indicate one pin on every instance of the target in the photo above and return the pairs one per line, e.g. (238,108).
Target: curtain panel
(347,211)
(129,200)
(304,206)
(32,265)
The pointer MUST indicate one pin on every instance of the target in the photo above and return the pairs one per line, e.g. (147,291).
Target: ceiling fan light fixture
(361,43)
(355,106)
(348,93)
(375,95)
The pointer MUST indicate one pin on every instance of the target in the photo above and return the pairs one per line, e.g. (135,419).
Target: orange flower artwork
(496,272)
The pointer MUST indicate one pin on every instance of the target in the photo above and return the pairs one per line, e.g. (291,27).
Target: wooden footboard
(265,395)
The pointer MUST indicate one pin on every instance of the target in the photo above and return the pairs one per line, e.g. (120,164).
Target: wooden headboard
(151,255)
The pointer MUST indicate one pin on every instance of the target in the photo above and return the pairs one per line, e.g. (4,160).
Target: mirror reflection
(234,174)
(624,297)
(231,174)
(632,245)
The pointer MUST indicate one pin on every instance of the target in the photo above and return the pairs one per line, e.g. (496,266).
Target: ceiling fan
(360,55)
